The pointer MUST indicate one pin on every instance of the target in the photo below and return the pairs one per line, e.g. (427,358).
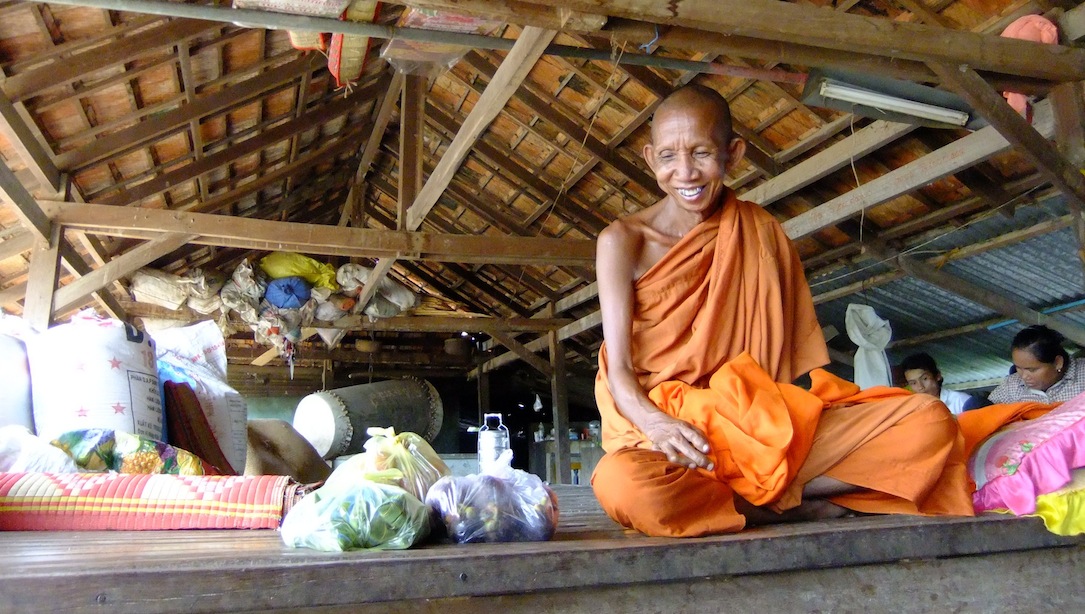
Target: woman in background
(1044,371)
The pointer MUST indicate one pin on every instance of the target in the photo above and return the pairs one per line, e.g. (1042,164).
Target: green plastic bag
(356,515)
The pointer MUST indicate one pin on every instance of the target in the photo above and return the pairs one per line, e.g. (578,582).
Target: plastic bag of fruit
(505,505)
(369,513)
(407,452)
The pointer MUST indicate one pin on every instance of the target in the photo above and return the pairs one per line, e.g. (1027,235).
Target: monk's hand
(683,443)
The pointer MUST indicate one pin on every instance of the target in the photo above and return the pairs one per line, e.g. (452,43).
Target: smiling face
(691,152)
(1036,374)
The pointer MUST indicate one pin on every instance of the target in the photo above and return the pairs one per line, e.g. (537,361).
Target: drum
(335,421)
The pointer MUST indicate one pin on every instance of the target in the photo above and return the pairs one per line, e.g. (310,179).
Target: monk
(707,319)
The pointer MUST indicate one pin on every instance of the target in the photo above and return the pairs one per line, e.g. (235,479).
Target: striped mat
(141,502)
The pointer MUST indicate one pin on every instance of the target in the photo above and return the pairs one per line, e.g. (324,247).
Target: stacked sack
(284,294)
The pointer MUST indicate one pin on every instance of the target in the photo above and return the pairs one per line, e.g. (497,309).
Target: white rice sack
(95,372)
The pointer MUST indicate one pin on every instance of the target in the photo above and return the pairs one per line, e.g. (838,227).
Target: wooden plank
(347,141)
(1025,138)
(18,134)
(12,294)
(554,17)
(575,131)
(506,80)
(42,281)
(412,120)
(157,572)
(227,231)
(1069,108)
(74,262)
(372,146)
(125,140)
(315,117)
(16,244)
(69,296)
(810,25)
(21,86)
(559,400)
(25,207)
(962,153)
(514,69)
(588,322)
(825,162)
(525,354)
(373,280)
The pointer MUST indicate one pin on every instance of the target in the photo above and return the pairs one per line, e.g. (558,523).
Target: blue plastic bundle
(288,292)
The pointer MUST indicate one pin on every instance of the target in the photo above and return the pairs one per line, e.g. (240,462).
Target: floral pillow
(1027,459)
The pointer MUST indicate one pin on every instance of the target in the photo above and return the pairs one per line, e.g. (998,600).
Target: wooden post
(483,393)
(412,122)
(42,282)
(560,393)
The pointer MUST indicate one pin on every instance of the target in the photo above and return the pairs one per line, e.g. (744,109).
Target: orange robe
(720,325)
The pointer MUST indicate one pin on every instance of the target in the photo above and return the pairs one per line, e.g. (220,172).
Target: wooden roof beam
(383,114)
(1026,138)
(962,153)
(550,17)
(125,140)
(26,84)
(835,30)
(527,50)
(259,234)
(571,128)
(267,138)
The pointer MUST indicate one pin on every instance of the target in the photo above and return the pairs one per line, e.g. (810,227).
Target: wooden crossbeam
(810,25)
(249,233)
(527,50)
(940,163)
(76,292)
(125,140)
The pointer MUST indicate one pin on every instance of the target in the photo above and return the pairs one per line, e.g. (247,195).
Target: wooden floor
(591,565)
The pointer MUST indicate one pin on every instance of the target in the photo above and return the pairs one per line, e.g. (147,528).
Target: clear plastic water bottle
(493,440)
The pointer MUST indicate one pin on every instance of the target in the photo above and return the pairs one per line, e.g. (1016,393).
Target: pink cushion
(1027,459)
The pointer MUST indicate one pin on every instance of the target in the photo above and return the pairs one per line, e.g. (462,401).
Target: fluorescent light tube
(885,102)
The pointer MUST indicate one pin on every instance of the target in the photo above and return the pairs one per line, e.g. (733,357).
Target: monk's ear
(736,149)
(649,153)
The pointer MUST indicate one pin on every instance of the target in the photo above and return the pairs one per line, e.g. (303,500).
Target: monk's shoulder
(627,232)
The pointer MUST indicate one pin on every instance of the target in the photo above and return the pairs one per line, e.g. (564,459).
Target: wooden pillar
(483,393)
(412,121)
(42,282)
(560,393)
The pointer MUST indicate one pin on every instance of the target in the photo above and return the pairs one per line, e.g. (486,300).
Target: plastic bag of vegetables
(506,505)
(407,452)
(357,514)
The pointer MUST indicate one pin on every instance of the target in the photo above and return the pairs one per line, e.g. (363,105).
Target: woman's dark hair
(1042,342)
(921,360)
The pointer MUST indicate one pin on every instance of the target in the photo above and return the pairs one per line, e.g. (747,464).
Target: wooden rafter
(317,239)
(521,58)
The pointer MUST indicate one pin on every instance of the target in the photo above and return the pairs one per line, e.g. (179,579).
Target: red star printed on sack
(82,412)
(118,408)
(114,363)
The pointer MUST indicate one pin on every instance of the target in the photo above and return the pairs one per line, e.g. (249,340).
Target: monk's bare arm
(617,253)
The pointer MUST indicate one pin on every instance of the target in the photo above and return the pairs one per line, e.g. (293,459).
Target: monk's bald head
(700,100)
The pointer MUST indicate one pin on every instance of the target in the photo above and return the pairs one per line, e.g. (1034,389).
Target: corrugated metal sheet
(1042,272)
